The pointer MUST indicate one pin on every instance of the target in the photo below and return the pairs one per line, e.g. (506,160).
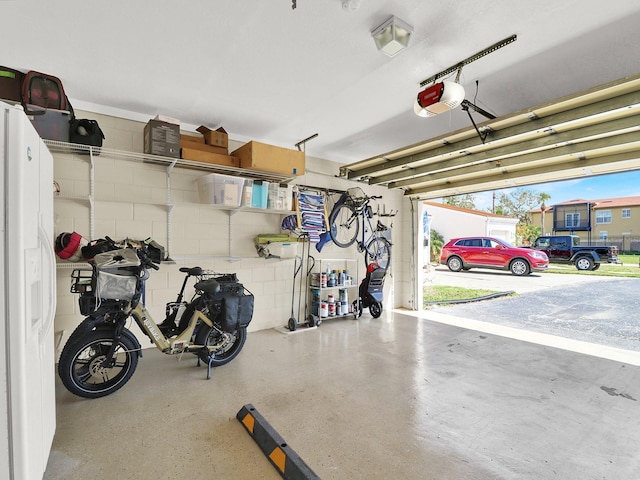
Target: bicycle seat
(210,286)
(191,271)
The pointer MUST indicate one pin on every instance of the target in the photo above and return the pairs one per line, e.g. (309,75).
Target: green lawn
(442,293)
(628,268)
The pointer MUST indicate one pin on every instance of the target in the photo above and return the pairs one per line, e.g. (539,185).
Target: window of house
(626,213)
(603,216)
(572,220)
(604,235)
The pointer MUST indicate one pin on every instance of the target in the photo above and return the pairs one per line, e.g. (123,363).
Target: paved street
(601,310)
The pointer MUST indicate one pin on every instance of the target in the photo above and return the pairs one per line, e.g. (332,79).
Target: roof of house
(466,210)
(599,203)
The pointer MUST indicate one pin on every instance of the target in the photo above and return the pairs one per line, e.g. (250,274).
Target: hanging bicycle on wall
(352,215)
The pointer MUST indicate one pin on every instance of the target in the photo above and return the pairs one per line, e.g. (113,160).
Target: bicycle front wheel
(82,369)
(344,226)
(379,251)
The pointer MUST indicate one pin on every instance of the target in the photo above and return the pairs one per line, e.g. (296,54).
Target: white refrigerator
(28,299)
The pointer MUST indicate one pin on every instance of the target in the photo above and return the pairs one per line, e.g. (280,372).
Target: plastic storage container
(259,194)
(220,189)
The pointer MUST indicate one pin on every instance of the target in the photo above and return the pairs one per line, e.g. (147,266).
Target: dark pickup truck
(567,249)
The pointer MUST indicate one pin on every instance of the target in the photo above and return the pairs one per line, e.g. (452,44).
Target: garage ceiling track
(594,132)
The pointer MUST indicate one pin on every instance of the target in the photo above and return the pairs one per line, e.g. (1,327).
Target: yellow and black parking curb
(281,456)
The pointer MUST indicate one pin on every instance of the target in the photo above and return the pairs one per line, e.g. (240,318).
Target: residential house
(451,222)
(611,221)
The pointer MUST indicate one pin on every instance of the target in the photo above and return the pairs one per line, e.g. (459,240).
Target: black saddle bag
(233,301)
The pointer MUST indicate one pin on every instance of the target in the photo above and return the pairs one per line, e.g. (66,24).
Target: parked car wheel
(520,267)
(454,264)
(584,263)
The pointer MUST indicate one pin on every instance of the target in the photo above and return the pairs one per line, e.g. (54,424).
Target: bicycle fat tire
(343,225)
(80,366)
(378,250)
(228,344)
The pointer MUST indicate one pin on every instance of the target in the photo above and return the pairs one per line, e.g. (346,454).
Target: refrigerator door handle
(49,265)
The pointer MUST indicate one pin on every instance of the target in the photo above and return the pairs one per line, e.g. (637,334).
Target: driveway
(600,310)
(505,281)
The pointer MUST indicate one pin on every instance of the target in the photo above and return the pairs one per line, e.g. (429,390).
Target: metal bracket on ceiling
(303,143)
(458,66)
(466,105)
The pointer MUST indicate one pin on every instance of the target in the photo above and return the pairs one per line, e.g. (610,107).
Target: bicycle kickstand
(212,357)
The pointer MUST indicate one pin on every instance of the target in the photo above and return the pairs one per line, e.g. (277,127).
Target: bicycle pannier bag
(11,84)
(237,312)
(233,301)
(115,280)
(43,90)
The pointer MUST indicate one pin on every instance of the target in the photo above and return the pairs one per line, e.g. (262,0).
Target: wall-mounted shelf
(90,153)
(76,149)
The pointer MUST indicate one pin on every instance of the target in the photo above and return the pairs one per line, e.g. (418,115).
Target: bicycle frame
(363,212)
(179,344)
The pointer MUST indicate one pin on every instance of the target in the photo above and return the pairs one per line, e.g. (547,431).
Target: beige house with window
(611,221)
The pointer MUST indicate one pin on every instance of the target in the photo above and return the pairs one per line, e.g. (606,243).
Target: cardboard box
(269,158)
(162,138)
(191,138)
(207,157)
(202,147)
(215,138)
(167,119)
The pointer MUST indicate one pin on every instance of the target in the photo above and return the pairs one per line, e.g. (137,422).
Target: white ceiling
(270,73)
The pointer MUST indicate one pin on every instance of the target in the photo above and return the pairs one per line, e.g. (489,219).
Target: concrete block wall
(131,202)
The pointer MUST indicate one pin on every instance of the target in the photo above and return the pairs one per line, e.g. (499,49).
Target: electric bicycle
(102,354)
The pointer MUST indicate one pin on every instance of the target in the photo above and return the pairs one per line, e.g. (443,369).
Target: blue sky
(626,184)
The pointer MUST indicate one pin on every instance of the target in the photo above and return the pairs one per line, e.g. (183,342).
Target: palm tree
(436,243)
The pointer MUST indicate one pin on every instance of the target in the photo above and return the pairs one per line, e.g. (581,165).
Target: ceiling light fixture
(350,5)
(392,36)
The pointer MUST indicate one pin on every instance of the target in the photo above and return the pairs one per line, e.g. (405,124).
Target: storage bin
(259,194)
(219,189)
(282,249)
(52,124)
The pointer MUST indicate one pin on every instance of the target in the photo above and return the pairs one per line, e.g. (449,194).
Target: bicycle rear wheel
(343,225)
(379,251)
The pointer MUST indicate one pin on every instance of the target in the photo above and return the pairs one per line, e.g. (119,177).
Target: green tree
(436,242)
(520,202)
(527,233)
(464,201)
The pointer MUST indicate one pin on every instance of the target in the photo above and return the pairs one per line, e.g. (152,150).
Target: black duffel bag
(86,132)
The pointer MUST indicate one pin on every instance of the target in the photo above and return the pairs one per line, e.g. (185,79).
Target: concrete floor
(400,397)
